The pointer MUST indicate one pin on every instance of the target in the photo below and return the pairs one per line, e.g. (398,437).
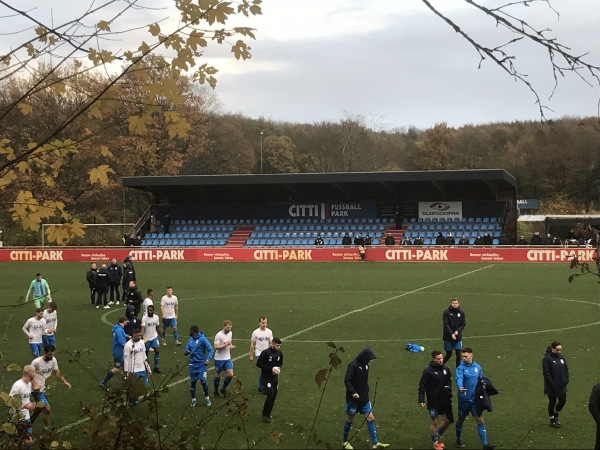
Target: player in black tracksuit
(102,286)
(133,296)
(128,275)
(436,382)
(454,324)
(594,407)
(357,396)
(556,378)
(90,276)
(115,273)
(269,358)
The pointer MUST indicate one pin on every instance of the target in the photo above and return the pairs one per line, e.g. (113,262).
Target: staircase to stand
(398,235)
(240,235)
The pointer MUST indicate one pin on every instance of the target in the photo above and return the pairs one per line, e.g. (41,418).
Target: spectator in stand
(478,240)
(536,239)
(358,240)
(407,241)
(390,240)
(464,240)
(556,241)
(450,239)
(368,240)
(152,224)
(522,241)
(346,240)
(399,218)
(115,273)
(440,239)
(91,279)
(418,240)
(102,287)
(547,241)
(319,240)
(166,223)
(503,240)
(487,239)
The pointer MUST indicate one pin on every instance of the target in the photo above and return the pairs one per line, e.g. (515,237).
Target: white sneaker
(193,402)
(117,302)
(107,307)
(97,306)
(111,303)
(346,446)
(207,400)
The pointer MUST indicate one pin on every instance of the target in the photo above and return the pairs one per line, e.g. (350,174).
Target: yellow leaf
(58,88)
(154,29)
(67,445)
(100,174)
(144,48)
(25,108)
(6,60)
(103,25)
(104,151)
(23,166)
(7,178)
(30,49)
(13,368)
(138,124)
(241,50)
(52,40)
(179,128)
(63,233)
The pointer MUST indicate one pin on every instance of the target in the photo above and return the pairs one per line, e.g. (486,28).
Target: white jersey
(150,325)
(23,390)
(261,339)
(167,304)
(43,369)
(224,353)
(51,321)
(36,328)
(147,302)
(134,356)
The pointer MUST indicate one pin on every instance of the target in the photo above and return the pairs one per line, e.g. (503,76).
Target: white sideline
(341,316)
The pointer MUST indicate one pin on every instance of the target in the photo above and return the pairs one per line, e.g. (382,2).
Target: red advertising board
(390,254)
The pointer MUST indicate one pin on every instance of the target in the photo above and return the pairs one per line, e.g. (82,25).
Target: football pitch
(513,311)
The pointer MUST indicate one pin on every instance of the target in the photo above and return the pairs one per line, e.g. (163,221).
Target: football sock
(459,431)
(482,433)
(434,438)
(347,426)
(372,431)
(217,382)
(176,335)
(156,359)
(193,389)
(204,387)
(108,376)
(440,432)
(226,382)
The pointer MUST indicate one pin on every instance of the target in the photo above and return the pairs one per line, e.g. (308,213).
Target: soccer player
(135,361)
(169,308)
(40,289)
(149,300)
(21,389)
(357,397)
(270,362)
(45,366)
(436,382)
(92,278)
(223,363)
(200,352)
(556,379)
(594,408)
(150,330)
(468,374)
(133,297)
(115,273)
(48,338)
(118,344)
(260,340)
(34,329)
(454,324)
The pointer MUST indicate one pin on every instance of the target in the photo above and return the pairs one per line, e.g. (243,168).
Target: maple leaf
(103,25)
(154,29)
(7,178)
(241,50)
(138,124)
(100,174)
(179,128)
(104,151)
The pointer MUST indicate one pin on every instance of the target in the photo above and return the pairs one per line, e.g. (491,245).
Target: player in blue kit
(200,352)
(118,344)
(468,374)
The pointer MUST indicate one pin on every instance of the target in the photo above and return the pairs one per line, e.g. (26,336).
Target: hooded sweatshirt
(119,340)
(556,373)
(357,377)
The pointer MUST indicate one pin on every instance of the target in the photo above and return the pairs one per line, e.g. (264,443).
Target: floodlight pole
(261,151)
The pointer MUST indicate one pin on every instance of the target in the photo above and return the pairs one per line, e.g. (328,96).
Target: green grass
(513,311)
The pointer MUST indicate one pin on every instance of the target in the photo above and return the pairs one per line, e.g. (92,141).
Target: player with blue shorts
(34,329)
(51,318)
(200,352)
(118,344)
(223,363)
(150,330)
(454,324)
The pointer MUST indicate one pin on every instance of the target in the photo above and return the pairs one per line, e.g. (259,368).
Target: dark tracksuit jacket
(556,373)
(114,274)
(357,378)
(454,320)
(436,382)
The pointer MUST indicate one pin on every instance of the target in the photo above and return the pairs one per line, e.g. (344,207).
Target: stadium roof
(490,184)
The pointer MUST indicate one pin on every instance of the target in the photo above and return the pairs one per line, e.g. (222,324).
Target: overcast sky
(394,62)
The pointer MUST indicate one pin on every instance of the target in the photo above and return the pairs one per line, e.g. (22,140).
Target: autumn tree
(434,148)
(40,153)
(278,155)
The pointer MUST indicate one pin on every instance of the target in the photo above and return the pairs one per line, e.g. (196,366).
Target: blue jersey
(119,340)
(467,376)
(198,348)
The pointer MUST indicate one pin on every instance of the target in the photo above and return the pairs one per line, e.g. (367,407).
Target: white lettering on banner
(38,255)
(304,210)
(283,255)
(158,255)
(559,255)
(417,255)
(346,206)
